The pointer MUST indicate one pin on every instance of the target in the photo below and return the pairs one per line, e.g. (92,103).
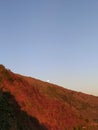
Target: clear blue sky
(54,40)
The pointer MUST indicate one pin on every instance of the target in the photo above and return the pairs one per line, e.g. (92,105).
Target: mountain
(30,104)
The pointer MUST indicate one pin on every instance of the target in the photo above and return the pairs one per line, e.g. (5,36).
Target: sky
(52,40)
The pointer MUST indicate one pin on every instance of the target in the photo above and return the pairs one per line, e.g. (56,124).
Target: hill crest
(53,106)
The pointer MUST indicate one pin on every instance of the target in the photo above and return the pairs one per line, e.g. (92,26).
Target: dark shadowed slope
(12,118)
(52,106)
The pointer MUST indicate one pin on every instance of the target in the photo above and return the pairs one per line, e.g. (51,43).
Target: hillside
(30,104)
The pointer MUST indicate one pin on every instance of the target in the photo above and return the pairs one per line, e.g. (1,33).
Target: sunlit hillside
(30,104)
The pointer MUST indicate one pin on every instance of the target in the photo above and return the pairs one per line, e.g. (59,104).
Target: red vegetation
(54,107)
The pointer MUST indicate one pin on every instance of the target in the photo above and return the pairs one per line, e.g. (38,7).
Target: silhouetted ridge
(12,118)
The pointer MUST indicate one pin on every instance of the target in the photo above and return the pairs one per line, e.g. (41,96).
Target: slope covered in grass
(53,107)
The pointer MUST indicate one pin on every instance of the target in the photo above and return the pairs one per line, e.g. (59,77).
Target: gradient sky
(54,40)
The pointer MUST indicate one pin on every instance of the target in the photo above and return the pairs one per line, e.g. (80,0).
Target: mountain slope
(54,107)
(12,118)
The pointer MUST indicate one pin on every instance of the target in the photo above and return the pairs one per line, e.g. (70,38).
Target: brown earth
(46,106)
